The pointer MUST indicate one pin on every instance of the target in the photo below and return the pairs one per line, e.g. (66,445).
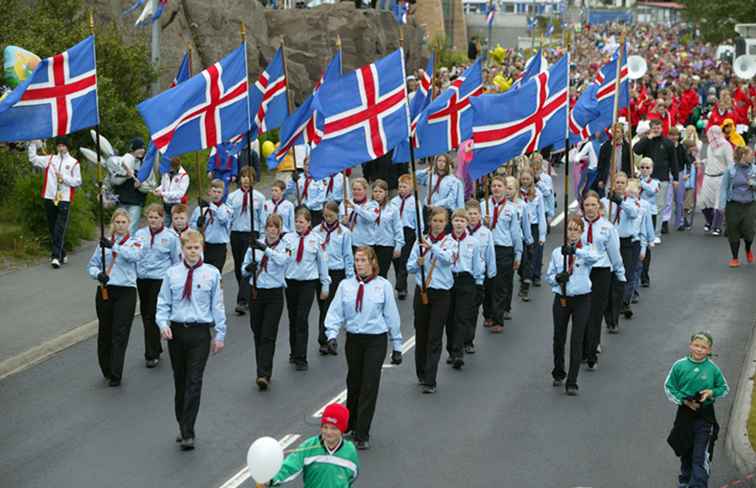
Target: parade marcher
(639,245)
(327,460)
(694,146)
(389,236)
(127,186)
(484,238)
(308,265)
(507,236)
(271,260)
(364,305)
(737,197)
(512,193)
(241,235)
(467,272)
(603,239)
(649,189)
(161,249)
(530,271)
(545,184)
(572,299)
(719,157)
(62,177)
(213,220)
(223,164)
(360,214)
(431,313)
(440,184)
(115,311)
(173,187)
(279,205)
(179,219)
(312,194)
(190,303)
(334,187)
(694,383)
(618,147)
(404,203)
(336,243)
(647,237)
(684,164)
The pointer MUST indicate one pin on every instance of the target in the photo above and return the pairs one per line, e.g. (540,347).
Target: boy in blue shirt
(213,220)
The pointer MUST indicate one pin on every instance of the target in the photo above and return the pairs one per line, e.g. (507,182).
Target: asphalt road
(498,422)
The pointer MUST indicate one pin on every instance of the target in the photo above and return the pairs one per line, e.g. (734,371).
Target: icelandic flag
(207,109)
(447,121)
(549,29)
(520,121)
(159,10)
(419,102)
(365,115)
(304,126)
(532,23)
(60,97)
(268,100)
(535,65)
(490,13)
(184,71)
(400,10)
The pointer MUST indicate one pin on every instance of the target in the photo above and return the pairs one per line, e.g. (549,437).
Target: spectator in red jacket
(722,110)
(689,101)
(662,113)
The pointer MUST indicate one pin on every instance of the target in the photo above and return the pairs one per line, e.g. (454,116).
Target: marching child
(115,299)
(241,235)
(638,239)
(334,187)
(533,256)
(161,249)
(213,220)
(360,214)
(572,299)
(694,383)
(648,242)
(544,183)
(173,187)
(279,205)
(269,267)
(484,238)
(514,195)
(336,243)
(311,194)
(404,203)
(389,237)
(442,185)
(179,219)
(649,188)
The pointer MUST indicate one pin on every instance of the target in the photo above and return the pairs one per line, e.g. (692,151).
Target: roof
(670,5)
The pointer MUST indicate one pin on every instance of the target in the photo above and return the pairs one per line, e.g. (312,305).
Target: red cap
(337,415)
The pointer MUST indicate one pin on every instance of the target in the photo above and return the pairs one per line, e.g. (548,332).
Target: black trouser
(502,297)
(215,254)
(264,317)
(489,292)
(645,276)
(601,279)
(617,294)
(480,294)
(365,354)
(189,350)
(400,263)
(429,332)
(526,270)
(384,254)
(462,313)
(579,308)
(115,316)
(337,275)
(299,297)
(149,290)
(239,246)
(57,221)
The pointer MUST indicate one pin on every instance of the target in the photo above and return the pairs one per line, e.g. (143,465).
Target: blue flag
(268,101)
(419,102)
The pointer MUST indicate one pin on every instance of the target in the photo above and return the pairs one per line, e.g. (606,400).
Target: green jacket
(322,469)
(688,377)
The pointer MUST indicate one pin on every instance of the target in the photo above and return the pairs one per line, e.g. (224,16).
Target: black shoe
(592,365)
(716,232)
(241,308)
(537,282)
(402,295)
(627,311)
(645,284)
(114,382)
(333,348)
(572,390)
(635,299)
(681,228)
(262,383)
(323,350)
(557,383)
(420,381)
(506,315)
(665,228)
(612,329)
(152,363)
(361,445)
(301,367)
(458,363)
(428,389)
(187,444)
(179,438)
(292,360)
(449,359)
(470,349)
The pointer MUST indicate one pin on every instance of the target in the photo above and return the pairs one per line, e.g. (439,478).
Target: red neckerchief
(307,182)
(114,254)
(353,215)
(187,295)
(590,228)
(179,232)
(473,230)
(330,186)
(361,292)
(497,206)
(245,200)
(619,211)
(524,194)
(439,178)
(401,207)
(210,217)
(300,247)
(435,240)
(153,234)
(264,260)
(378,211)
(276,204)
(328,229)
(571,260)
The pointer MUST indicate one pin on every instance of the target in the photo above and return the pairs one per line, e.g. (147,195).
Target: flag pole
(155,48)
(252,176)
(490,30)
(103,288)
(566,183)
(346,176)
(196,157)
(288,112)
(615,109)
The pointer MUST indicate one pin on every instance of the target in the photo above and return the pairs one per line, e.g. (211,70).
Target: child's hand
(706,394)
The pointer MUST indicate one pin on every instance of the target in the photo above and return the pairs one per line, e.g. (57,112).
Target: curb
(737,445)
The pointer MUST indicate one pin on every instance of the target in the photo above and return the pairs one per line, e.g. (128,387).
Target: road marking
(243,475)
(559,218)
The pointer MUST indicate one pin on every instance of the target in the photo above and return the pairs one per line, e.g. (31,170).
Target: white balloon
(264,459)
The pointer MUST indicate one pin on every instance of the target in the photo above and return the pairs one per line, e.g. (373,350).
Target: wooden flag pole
(615,110)
(252,176)
(103,288)
(344,173)
(566,185)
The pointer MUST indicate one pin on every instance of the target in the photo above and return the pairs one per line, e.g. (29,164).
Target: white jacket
(53,165)
(174,189)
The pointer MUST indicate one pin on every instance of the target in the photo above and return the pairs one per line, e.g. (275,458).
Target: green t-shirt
(321,468)
(688,377)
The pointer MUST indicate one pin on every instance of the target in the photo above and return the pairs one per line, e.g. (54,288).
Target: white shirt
(174,189)
(65,166)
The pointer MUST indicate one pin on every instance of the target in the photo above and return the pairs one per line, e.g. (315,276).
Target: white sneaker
(657,240)
(55,263)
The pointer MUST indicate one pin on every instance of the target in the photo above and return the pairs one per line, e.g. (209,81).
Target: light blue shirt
(315,197)
(240,221)
(524,218)
(388,231)
(314,264)
(630,211)
(646,231)
(649,189)
(546,185)
(447,194)
(507,231)
(466,257)
(285,209)
(379,313)
(442,254)
(204,306)
(338,249)
(217,223)
(361,220)
(158,253)
(487,254)
(580,279)
(272,275)
(605,245)
(537,214)
(122,272)
(460,203)
(337,191)
(407,215)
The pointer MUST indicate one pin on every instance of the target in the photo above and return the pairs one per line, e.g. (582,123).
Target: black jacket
(662,151)
(605,161)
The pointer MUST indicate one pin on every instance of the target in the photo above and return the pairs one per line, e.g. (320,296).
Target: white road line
(559,218)
(243,475)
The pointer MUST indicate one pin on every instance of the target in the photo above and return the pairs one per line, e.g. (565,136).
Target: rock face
(212,28)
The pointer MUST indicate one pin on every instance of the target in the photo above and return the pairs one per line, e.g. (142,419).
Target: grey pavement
(498,422)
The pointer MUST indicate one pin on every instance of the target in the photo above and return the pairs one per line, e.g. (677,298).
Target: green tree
(717,18)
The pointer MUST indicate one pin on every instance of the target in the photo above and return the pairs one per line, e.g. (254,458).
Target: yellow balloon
(267,148)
